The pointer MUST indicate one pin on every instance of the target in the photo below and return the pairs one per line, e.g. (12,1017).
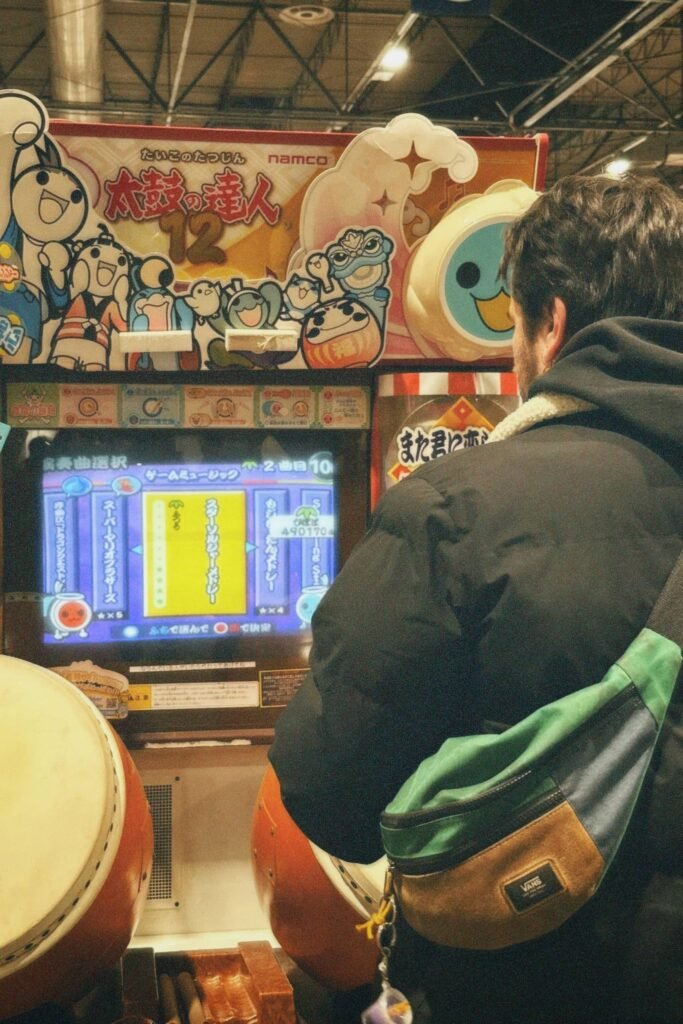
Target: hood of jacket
(631,369)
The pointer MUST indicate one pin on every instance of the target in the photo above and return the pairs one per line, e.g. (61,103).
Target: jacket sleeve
(387,678)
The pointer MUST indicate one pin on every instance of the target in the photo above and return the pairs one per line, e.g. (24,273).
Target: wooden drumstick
(133,1018)
(190,997)
(219,1004)
(170,1014)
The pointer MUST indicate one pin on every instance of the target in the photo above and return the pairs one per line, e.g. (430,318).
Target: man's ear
(556,332)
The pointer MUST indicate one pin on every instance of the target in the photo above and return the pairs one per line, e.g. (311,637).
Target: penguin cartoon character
(153,306)
(204,300)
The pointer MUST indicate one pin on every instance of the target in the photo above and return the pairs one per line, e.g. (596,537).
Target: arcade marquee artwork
(152,248)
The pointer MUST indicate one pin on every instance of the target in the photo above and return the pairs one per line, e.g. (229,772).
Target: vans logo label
(532,888)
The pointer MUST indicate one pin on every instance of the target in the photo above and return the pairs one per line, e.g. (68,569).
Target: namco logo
(308,159)
(8,274)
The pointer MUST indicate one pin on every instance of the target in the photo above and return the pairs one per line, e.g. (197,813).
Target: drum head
(361,885)
(62,796)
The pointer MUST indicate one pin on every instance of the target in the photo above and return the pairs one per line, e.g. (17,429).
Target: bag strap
(666,617)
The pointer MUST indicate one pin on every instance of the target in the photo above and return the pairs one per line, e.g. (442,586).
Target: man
(497,579)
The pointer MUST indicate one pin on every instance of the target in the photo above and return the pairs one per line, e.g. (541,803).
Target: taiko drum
(314,901)
(77,841)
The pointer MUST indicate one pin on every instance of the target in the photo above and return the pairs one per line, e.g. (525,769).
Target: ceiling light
(395,58)
(618,166)
(306,15)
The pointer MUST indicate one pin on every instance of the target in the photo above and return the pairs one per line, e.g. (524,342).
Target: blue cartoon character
(153,306)
(473,292)
(41,204)
(454,302)
(307,602)
(360,261)
(21,309)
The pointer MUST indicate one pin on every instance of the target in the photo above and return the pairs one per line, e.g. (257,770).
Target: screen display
(226,545)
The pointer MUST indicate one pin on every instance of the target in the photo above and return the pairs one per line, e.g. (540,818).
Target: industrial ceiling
(603,78)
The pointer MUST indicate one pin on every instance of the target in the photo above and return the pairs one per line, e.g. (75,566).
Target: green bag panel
(475,788)
(653,663)
(498,839)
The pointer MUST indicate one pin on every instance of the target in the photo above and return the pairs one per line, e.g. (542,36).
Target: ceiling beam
(252,116)
(22,56)
(469,65)
(637,24)
(149,86)
(297,56)
(237,58)
(180,65)
(328,37)
(670,116)
(242,27)
(164,34)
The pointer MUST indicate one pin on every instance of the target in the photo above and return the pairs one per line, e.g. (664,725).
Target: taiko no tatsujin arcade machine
(217,350)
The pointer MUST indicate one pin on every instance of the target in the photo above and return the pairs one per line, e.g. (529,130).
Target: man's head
(590,248)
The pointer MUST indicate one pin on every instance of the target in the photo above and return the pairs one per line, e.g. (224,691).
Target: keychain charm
(391,1006)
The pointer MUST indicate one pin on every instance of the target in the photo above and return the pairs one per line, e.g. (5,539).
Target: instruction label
(180,696)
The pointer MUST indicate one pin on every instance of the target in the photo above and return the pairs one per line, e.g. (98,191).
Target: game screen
(140,550)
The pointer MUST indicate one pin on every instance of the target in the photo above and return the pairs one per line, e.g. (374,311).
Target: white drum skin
(75,863)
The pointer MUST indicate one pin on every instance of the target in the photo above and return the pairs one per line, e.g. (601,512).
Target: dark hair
(606,246)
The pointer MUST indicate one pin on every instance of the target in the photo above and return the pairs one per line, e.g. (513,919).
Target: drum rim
(353,881)
(59,920)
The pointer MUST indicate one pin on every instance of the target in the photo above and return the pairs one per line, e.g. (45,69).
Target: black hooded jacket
(492,581)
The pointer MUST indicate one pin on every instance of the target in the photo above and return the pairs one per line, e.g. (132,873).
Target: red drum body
(77,841)
(314,901)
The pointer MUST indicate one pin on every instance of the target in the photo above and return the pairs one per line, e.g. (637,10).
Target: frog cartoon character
(249,307)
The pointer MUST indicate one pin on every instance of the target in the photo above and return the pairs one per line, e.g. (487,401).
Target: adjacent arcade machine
(217,350)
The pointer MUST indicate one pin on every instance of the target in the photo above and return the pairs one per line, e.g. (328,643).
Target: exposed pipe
(76,39)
